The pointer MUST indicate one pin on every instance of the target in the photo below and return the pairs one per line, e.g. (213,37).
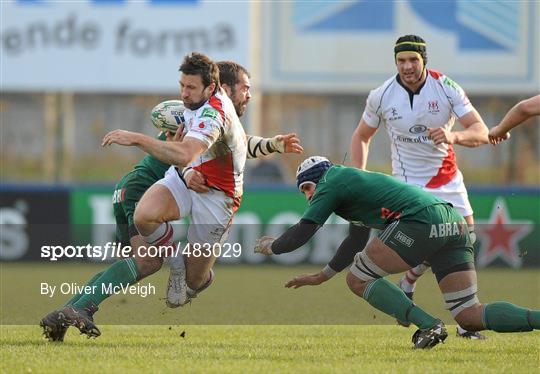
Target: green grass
(263,349)
(248,322)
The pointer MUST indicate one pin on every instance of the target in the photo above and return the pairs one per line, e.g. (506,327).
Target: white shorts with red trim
(455,193)
(210,213)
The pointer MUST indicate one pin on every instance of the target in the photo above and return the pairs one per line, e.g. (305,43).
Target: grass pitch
(310,348)
(248,322)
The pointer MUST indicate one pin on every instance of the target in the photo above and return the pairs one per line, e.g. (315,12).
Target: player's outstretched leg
(459,291)
(388,298)
(366,279)
(407,284)
(159,205)
(80,313)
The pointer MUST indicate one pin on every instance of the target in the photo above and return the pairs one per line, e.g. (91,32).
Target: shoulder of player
(336,177)
(378,92)
(443,80)
(211,111)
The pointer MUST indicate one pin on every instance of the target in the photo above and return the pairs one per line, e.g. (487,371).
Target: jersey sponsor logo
(395,115)
(407,139)
(387,214)
(417,129)
(404,239)
(433,107)
(210,113)
(446,229)
(118,195)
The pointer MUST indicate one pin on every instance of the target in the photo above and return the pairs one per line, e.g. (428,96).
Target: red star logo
(500,236)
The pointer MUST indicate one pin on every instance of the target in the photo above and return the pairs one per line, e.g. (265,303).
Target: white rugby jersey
(415,158)
(216,124)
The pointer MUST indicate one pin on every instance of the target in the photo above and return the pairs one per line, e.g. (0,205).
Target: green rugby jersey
(364,197)
(152,168)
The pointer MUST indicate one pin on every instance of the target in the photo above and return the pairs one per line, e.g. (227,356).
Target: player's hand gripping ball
(168,116)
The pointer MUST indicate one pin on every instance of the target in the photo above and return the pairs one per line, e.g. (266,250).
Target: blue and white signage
(114,45)
(348,45)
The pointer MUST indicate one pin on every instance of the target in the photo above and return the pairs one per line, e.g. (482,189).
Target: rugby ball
(168,115)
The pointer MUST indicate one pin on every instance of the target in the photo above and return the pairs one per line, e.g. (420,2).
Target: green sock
(502,316)
(123,272)
(76,297)
(388,298)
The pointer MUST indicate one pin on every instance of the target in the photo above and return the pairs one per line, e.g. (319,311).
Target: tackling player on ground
(416,226)
(418,108)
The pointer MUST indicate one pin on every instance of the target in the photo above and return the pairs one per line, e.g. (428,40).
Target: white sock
(408,281)
(461,330)
(161,239)
(161,236)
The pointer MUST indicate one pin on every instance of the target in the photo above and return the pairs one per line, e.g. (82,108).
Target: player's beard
(195,106)
(240,109)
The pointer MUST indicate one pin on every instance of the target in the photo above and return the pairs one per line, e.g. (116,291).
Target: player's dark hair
(229,73)
(411,43)
(199,64)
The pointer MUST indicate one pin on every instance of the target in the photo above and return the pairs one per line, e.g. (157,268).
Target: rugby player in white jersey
(213,142)
(418,108)
(80,312)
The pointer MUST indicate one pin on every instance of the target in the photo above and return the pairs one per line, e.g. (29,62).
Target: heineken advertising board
(507,225)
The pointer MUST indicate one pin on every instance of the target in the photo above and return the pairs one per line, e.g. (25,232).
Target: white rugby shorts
(210,213)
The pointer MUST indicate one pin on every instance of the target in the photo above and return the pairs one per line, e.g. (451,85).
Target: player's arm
(258,146)
(175,153)
(518,114)
(474,135)
(344,256)
(360,144)
(476,131)
(322,204)
(295,237)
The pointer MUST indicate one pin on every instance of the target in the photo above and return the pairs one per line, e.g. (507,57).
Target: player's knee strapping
(457,301)
(365,269)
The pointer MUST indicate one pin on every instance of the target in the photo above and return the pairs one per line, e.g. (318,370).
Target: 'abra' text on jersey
(445,229)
